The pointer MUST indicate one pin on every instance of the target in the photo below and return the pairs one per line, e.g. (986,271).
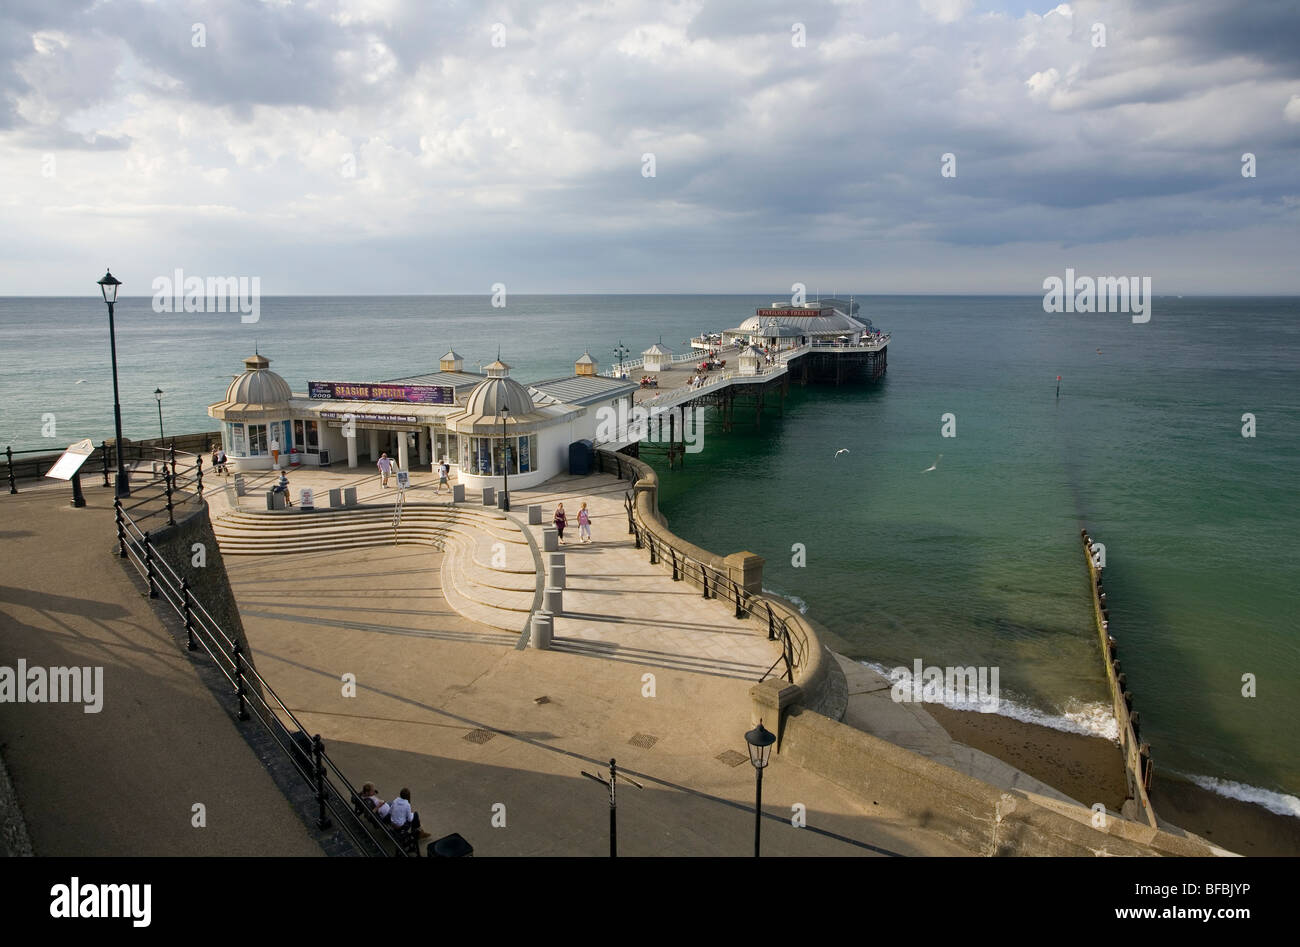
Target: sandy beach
(1091,769)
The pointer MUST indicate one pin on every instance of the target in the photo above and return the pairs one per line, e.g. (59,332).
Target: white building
(658,358)
(419,420)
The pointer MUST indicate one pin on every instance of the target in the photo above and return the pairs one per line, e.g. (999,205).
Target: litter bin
(450,846)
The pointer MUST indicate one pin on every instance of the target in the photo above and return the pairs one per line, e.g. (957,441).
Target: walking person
(385,466)
(443,471)
(561,521)
(584,524)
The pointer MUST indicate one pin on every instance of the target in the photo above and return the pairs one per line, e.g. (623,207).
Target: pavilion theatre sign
(409,394)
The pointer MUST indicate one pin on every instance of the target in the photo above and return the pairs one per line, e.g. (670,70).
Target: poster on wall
(237,440)
(524,459)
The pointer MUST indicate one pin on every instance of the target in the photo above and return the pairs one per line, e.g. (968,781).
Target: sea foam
(1277,802)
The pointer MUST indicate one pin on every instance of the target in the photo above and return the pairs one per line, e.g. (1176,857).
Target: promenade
(122,781)
(455,711)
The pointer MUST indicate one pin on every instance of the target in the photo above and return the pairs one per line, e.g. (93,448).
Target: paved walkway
(121,781)
(470,724)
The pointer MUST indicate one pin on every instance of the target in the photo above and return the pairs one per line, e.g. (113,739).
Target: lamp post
(620,351)
(760,741)
(157,393)
(108,286)
(505,463)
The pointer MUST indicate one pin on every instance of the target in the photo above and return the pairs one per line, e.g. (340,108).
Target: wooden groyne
(1137,755)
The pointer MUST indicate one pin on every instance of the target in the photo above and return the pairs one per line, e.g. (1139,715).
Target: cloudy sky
(380,146)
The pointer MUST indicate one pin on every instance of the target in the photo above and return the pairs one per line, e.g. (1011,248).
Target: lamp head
(108,286)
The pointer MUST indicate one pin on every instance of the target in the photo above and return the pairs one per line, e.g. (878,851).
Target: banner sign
(364,416)
(410,394)
(788,313)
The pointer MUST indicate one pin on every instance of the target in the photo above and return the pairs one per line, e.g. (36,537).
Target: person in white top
(385,466)
(400,812)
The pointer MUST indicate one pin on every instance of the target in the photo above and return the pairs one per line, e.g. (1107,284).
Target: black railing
(717,584)
(338,801)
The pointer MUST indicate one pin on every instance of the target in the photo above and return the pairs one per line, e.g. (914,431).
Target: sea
(1175,442)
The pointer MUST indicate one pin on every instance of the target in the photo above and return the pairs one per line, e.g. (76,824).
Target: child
(584,524)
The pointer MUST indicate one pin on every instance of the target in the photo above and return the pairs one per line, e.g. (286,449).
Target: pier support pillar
(403,451)
(374,443)
(352,451)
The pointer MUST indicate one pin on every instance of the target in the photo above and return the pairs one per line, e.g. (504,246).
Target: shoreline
(1090,769)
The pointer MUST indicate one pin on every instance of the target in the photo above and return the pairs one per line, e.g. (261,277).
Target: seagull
(933,466)
(81,381)
(842,450)
(1098,351)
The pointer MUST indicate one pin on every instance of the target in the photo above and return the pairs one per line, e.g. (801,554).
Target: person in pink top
(584,524)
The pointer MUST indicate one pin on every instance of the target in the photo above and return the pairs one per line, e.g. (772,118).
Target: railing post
(103,449)
(318,752)
(653,558)
(627,505)
(172,458)
(9,454)
(198,473)
(704,578)
(148,566)
(673,552)
(740,612)
(771,623)
(121,528)
(239,680)
(167,483)
(188,612)
(637,534)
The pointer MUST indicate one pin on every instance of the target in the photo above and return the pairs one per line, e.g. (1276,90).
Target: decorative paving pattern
(731,758)
(644,740)
(479,736)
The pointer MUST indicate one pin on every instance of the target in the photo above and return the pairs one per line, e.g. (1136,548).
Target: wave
(1088,718)
(1276,802)
(796,600)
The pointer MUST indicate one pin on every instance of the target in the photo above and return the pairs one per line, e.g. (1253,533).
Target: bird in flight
(81,381)
(933,466)
(842,450)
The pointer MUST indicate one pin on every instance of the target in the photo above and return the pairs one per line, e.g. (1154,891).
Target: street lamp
(760,741)
(108,286)
(620,351)
(157,393)
(505,463)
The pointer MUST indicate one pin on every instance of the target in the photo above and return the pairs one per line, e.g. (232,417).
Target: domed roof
(258,386)
(498,391)
(809,321)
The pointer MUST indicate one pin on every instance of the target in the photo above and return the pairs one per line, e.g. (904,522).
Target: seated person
(400,813)
(371,797)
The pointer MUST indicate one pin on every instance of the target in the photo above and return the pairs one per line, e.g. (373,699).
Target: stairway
(489,569)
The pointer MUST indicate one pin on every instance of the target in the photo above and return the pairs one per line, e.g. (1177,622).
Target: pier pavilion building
(478,422)
(784,325)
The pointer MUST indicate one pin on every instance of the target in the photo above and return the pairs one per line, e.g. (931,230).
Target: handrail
(335,793)
(713,582)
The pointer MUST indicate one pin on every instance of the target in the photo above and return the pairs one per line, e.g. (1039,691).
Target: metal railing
(336,797)
(713,582)
(176,477)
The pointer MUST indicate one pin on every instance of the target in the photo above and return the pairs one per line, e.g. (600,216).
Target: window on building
(306,436)
(257,441)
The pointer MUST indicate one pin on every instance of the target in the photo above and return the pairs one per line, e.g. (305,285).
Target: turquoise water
(975,563)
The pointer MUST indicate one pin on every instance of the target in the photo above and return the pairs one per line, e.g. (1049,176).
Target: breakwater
(1137,755)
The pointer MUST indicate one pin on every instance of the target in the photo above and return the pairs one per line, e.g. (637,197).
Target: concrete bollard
(542,629)
(555,559)
(550,539)
(458,493)
(553,601)
(336,497)
(555,577)
(349,496)
(489,496)
(535,514)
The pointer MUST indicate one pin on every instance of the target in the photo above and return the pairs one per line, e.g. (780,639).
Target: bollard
(336,497)
(555,559)
(489,496)
(349,496)
(535,514)
(550,539)
(542,628)
(555,577)
(553,601)
(458,493)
